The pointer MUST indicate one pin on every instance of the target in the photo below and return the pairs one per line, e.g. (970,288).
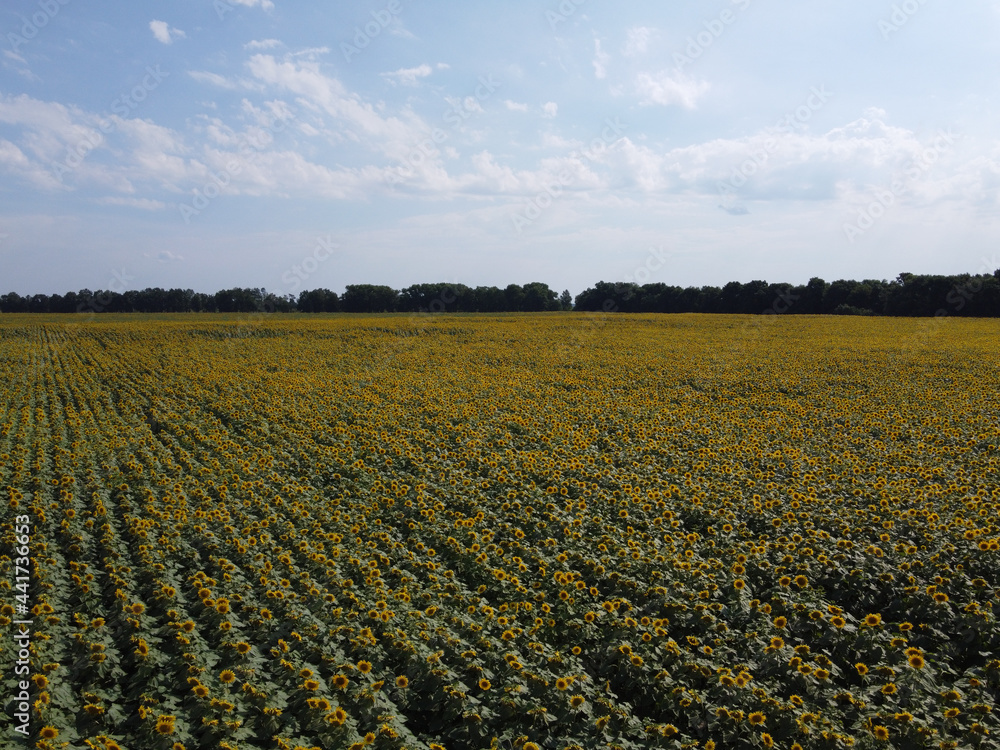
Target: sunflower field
(526,531)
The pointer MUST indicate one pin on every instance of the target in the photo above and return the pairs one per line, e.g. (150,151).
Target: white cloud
(14,161)
(470,104)
(393,136)
(262,44)
(557,142)
(841,164)
(264,4)
(49,128)
(161,31)
(637,41)
(164,33)
(164,256)
(667,88)
(310,53)
(214,79)
(601,60)
(396,28)
(780,163)
(408,76)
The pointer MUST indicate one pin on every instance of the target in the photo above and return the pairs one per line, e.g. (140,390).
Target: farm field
(523,531)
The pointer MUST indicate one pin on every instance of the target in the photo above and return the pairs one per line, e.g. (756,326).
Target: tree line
(912,295)
(908,294)
(357,298)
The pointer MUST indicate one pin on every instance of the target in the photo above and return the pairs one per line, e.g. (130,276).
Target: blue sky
(212,144)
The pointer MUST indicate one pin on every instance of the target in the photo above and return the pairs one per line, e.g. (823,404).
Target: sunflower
(880,732)
(873,621)
(364,667)
(48,733)
(227,676)
(576,701)
(756,718)
(916,661)
(402,682)
(484,684)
